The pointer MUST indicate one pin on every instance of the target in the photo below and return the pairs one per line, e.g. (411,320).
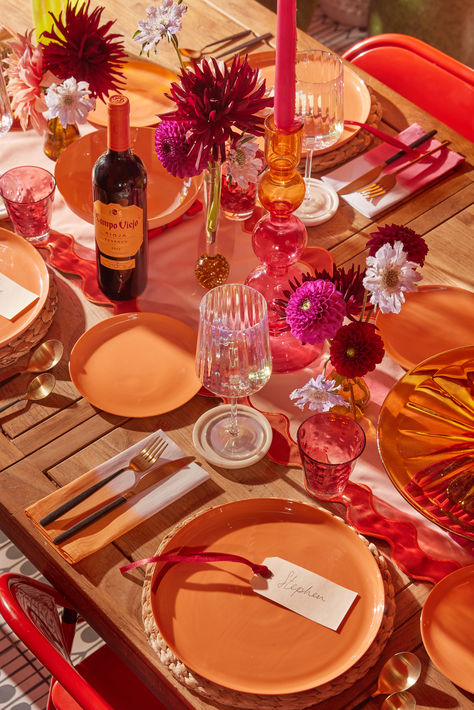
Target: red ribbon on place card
(262,570)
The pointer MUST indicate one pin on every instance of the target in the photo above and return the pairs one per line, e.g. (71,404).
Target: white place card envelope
(409,181)
(304,592)
(14,299)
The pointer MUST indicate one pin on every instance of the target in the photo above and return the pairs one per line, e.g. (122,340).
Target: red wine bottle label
(117,264)
(118,231)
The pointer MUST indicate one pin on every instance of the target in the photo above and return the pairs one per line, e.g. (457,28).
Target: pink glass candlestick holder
(329,446)
(279,239)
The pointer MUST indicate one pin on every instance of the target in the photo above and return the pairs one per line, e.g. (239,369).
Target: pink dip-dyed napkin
(409,181)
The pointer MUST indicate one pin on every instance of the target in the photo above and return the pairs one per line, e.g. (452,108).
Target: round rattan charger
(23,343)
(290,701)
(351,148)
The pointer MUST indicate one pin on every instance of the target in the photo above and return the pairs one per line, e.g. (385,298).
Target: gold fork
(142,461)
(387,182)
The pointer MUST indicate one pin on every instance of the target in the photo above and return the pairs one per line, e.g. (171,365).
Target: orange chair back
(441,85)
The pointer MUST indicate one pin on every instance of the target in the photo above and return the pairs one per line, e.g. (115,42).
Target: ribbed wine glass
(233,360)
(319,103)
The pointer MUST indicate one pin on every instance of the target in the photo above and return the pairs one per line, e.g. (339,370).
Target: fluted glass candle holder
(279,239)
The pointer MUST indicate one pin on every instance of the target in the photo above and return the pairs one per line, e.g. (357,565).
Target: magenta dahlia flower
(413,244)
(173,148)
(80,47)
(220,102)
(315,311)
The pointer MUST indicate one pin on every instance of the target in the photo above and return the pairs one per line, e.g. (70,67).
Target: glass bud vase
(279,239)
(356,393)
(57,138)
(212,268)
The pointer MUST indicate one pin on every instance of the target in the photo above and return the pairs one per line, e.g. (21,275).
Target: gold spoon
(399,701)
(198,53)
(400,672)
(39,388)
(46,356)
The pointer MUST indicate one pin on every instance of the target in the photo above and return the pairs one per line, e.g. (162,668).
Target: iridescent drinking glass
(233,360)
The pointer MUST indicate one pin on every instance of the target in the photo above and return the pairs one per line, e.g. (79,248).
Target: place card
(14,299)
(304,592)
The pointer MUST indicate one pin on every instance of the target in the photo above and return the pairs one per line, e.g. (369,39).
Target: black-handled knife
(374,172)
(245,45)
(75,500)
(149,479)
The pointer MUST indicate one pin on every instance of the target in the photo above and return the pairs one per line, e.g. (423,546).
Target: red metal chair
(101,682)
(441,85)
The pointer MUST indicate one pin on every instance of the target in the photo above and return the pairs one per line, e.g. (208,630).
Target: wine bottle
(120,209)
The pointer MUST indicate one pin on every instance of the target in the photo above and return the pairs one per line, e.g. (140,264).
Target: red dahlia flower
(220,102)
(413,244)
(82,48)
(356,349)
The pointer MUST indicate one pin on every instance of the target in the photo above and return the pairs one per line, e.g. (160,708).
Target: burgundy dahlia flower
(413,244)
(80,47)
(356,349)
(220,102)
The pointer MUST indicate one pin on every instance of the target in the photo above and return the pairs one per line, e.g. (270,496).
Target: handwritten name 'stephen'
(305,592)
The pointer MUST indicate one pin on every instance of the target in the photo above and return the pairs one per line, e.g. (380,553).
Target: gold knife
(374,172)
(142,484)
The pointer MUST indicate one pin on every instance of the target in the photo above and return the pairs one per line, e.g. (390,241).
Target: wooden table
(46,445)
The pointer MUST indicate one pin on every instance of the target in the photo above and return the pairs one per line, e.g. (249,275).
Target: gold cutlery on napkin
(149,479)
(387,182)
(145,459)
(374,172)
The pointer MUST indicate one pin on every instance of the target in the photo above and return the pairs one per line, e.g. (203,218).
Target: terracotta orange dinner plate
(145,86)
(357,101)
(447,623)
(213,621)
(432,319)
(136,364)
(426,438)
(21,262)
(167,197)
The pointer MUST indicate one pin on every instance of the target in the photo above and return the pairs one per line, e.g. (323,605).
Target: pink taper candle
(285,64)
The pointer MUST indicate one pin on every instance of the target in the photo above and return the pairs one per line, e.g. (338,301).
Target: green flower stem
(174,42)
(213,198)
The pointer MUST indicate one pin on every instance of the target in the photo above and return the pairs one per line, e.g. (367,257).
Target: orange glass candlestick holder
(279,239)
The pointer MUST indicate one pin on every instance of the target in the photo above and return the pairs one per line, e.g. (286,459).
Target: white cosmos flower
(160,22)
(388,275)
(319,394)
(69,101)
(242,165)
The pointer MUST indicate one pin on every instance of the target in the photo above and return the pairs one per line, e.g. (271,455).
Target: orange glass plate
(145,86)
(213,621)
(432,319)
(426,436)
(136,364)
(21,262)
(447,623)
(167,196)
(357,101)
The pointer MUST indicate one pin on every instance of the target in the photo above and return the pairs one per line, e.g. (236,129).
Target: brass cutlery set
(208,49)
(370,186)
(147,474)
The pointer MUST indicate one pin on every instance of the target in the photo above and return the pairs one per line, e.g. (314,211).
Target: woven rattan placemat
(291,701)
(361,140)
(21,345)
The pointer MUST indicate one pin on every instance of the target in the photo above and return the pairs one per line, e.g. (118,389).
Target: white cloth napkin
(164,492)
(409,181)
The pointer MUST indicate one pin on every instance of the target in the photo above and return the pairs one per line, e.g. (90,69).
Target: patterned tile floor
(24,682)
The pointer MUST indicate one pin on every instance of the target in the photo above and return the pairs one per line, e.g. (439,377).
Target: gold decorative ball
(211,271)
